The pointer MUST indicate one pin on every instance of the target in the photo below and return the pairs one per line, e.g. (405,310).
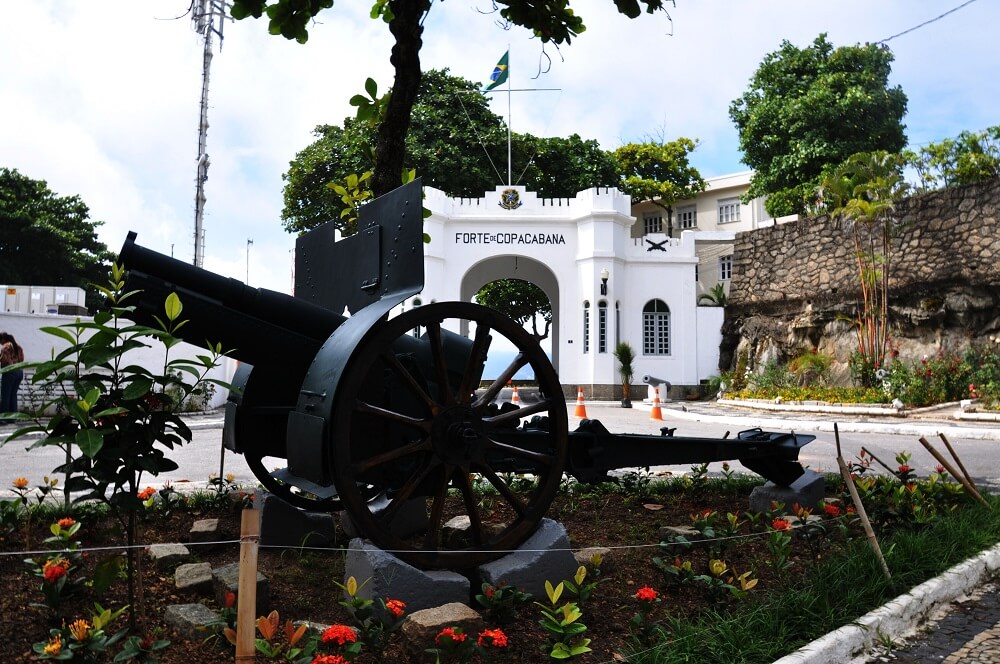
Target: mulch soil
(302,581)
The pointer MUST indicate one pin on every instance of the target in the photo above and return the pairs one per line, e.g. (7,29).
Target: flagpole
(510,118)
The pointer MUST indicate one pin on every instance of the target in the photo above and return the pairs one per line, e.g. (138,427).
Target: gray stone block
(411,518)
(389,577)
(282,524)
(227,579)
(166,556)
(192,621)
(205,530)
(807,491)
(545,556)
(422,626)
(194,577)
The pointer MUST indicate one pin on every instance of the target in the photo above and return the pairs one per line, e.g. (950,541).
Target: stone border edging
(899,617)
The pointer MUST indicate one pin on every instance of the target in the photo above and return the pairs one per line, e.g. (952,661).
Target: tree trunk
(390,146)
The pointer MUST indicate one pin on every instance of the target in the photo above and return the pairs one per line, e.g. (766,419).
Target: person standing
(10,381)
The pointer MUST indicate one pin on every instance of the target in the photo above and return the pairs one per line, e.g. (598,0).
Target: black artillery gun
(371,412)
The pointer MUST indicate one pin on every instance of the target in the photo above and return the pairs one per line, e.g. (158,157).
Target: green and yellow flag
(500,72)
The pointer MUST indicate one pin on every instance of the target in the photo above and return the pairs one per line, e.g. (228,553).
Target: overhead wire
(928,22)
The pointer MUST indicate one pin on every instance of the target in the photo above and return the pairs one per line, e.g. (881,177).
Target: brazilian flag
(500,72)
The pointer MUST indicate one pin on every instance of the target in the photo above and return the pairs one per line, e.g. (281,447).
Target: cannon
(371,411)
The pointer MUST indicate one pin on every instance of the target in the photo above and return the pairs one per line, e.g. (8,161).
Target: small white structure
(43,299)
(605,285)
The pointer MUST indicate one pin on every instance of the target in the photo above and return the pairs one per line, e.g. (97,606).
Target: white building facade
(565,246)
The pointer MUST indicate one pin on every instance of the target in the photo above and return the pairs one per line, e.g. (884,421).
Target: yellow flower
(79,629)
(21,483)
(230,477)
(716,567)
(746,583)
(54,646)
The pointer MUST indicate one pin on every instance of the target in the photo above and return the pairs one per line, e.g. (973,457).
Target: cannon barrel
(653,381)
(254,325)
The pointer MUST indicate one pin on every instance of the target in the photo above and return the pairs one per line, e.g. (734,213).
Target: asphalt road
(976,446)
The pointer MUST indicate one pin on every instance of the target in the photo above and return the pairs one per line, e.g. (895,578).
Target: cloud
(102,99)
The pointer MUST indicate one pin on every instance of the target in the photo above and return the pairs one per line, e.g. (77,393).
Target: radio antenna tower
(207,18)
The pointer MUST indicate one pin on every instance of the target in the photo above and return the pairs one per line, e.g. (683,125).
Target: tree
(659,172)
(456,144)
(47,239)
(970,157)
(807,109)
(715,296)
(862,193)
(553,22)
(521,300)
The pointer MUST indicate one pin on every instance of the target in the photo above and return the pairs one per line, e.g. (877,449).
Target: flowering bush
(81,639)
(646,630)
(452,644)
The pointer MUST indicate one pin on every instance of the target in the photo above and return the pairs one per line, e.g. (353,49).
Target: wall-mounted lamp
(604,281)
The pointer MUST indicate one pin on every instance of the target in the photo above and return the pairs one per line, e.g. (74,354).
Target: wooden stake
(246,598)
(954,473)
(849,481)
(880,462)
(961,466)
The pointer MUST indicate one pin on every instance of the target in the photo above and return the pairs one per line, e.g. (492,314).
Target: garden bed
(630,520)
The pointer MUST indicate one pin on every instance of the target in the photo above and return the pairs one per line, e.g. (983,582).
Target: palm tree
(716,297)
(625,356)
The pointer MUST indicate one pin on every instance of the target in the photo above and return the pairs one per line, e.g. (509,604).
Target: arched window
(656,328)
(602,327)
(586,326)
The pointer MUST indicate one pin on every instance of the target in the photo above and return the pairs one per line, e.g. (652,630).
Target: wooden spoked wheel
(413,420)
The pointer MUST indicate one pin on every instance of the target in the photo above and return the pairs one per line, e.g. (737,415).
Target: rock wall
(795,286)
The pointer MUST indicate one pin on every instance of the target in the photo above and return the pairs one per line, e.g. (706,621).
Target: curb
(901,616)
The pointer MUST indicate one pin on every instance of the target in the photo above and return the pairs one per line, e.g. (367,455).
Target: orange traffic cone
(514,398)
(581,410)
(656,413)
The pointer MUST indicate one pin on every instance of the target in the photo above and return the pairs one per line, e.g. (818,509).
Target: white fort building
(609,269)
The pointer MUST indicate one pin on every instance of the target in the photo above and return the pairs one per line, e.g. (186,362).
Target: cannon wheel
(419,430)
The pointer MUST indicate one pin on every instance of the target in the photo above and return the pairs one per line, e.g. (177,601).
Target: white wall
(39,346)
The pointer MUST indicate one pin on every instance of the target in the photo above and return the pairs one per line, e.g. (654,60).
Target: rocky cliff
(795,286)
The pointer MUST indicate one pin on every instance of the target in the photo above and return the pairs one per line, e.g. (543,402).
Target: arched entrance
(516,267)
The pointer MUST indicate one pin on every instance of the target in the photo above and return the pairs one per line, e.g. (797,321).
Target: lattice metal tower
(208,18)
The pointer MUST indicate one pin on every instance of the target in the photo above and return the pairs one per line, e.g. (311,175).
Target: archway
(516,267)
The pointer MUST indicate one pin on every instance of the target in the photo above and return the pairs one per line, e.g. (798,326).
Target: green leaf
(371,87)
(137,388)
(90,441)
(173,307)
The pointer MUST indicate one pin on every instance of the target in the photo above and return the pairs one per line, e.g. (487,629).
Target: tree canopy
(811,108)
(47,239)
(457,144)
(659,172)
(521,300)
(972,156)
(554,22)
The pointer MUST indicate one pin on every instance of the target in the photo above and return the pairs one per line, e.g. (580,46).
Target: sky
(101,98)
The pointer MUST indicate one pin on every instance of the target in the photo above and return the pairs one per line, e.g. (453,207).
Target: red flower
(492,637)
(395,607)
(146,493)
(904,468)
(939,468)
(230,600)
(850,509)
(328,659)
(55,569)
(66,522)
(646,594)
(449,632)
(339,634)
(831,510)
(781,524)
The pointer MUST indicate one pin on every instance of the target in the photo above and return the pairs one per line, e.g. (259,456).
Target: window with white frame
(652,223)
(729,210)
(687,218)
(586,327)
(725,268)
(656,328)
(602,327)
